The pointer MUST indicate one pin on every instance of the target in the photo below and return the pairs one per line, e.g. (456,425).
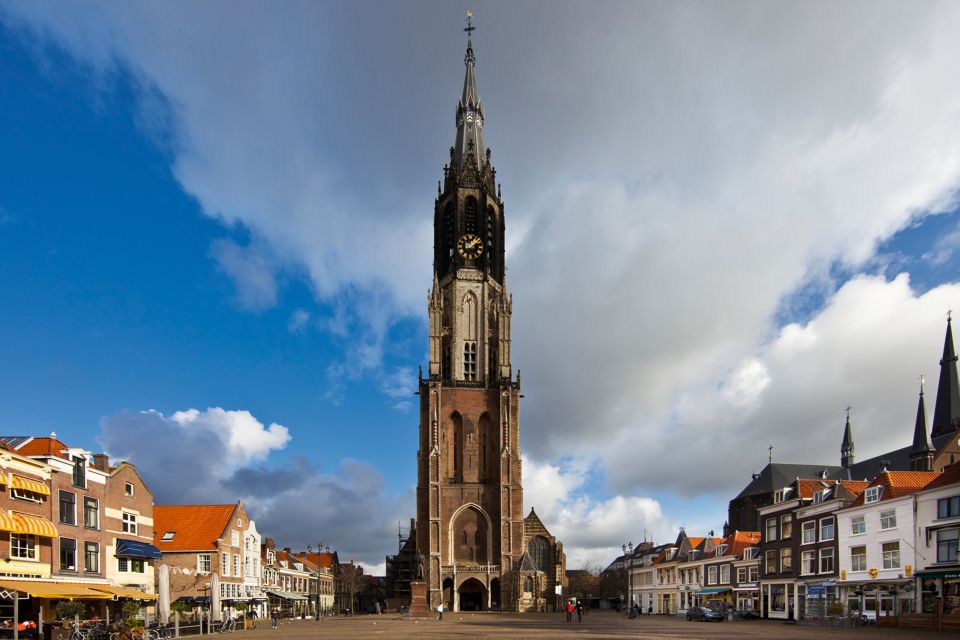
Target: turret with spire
(946,411)
(846,447)
(921,453)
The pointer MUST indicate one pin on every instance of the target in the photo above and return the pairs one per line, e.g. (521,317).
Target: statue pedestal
(419,605)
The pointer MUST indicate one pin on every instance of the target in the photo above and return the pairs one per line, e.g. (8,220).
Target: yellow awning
(3,478)
(124,592)
(26,484)
(34,525)
(7,523)
(54,590)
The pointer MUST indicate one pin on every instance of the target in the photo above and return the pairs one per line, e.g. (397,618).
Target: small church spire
(946,410)
(846,447)
(921,453)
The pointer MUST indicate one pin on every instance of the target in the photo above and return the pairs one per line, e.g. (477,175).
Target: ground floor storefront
(747,597)
(940,588)
(778,599)
(879,598)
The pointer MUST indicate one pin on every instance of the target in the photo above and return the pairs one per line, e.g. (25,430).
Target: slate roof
(196,526)
(777,475)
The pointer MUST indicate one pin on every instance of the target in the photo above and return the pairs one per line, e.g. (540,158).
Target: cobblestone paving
(598,624)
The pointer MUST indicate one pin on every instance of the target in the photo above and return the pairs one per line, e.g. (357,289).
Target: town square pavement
(597,624)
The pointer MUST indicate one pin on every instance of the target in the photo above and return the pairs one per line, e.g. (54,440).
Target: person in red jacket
(569,609)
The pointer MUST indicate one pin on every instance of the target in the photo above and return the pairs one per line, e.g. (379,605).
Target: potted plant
(69,612)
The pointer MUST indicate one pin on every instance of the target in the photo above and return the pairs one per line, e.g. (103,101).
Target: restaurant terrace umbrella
(215,598)
(163,593)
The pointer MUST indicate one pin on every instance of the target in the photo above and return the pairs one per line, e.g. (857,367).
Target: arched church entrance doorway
(473,595)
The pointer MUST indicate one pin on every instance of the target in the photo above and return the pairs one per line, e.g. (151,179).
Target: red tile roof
(897,484)
(323,560)
(196,526)
(42,447)
(739,540)
(950,475)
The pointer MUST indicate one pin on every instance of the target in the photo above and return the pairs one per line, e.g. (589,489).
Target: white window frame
(24,546)
(771,525)
(858,561)
(833,528)
(712,574)
(808,527)
(873,494)
(827,552)
(786,526)
(890,515)
(204,560)
(891,558)
(858,525)
(128,489)
(724,569)
(808,561)
(129,523)
(224,564)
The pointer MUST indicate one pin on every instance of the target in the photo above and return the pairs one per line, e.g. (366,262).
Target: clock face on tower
(470,246)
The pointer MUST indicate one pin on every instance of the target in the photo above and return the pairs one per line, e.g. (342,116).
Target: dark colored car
(704,613)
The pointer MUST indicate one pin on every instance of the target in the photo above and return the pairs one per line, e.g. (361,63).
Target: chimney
(101,461)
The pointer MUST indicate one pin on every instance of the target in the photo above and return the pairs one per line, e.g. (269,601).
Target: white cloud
(298,321)
(231,455)
(944,248)
(251,272)
(672,175)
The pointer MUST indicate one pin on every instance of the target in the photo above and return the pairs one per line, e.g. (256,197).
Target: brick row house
(211,556)
(66,507)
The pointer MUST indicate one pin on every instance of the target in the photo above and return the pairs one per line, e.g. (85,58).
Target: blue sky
(203,208)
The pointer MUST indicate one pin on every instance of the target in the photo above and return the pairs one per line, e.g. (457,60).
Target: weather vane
(469,28)
(847,409)
(921,384)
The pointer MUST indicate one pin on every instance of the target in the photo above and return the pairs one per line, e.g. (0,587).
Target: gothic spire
(469,113)
(921,453)
(946,411)
(846,447)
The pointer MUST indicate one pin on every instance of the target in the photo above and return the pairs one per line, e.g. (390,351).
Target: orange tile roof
(42,447)
(897,484)
(196,526)
(695,542)
(323,560)
(950,475)
(738,541)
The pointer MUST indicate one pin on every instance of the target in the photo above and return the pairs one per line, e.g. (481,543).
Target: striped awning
(7,523)
(54,590)
(26,484)
(33,525)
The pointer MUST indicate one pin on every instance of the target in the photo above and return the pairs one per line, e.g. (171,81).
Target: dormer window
(722,549)
(820,496)
(693,554)
(80,472)
(749,553)
(780,495)
(873,494)
(168,536)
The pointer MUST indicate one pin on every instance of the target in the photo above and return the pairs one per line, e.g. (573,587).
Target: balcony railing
(471,568)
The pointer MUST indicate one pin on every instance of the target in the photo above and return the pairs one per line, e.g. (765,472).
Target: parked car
(704,614)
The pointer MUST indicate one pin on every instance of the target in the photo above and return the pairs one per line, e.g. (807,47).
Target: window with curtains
(92,557)
(858,558)
(91,513)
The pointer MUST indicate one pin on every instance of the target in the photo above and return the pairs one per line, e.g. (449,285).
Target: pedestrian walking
(569,610)
(440,611)
(274,615)
(579,611)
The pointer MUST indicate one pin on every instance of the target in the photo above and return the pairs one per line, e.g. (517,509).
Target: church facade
(470,527)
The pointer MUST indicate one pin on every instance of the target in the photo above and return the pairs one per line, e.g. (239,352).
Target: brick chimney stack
(101,461)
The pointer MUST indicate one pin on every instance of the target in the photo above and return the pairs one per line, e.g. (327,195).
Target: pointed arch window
(470,216)
(448,227)
(463,537)
(470,361)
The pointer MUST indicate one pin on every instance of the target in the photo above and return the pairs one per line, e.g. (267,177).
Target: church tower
(469,494)
(946,410)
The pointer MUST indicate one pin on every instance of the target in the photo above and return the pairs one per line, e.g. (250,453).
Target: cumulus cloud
(674,175)
(231,455)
